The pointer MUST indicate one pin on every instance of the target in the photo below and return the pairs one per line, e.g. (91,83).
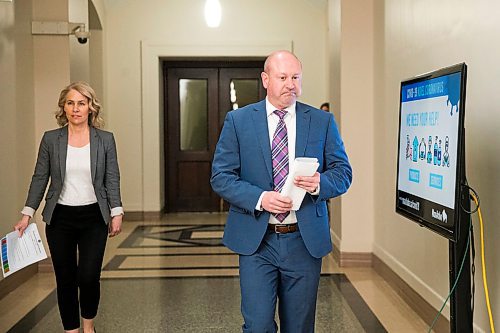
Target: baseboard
(354,259)
(142,216)
(424,309)
(16,279)
(45,266)
(336,254)
(349,259)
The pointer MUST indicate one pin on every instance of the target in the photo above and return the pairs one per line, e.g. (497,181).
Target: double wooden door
(198,96)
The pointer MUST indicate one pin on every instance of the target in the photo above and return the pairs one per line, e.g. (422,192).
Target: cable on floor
(456,280)
(483,262)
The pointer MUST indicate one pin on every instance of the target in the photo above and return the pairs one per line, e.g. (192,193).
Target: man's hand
(310,184)
(274,202)
(115,226)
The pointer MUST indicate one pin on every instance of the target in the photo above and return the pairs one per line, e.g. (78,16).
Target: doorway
(198,96)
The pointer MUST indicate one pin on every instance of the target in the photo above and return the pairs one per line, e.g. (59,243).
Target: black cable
(470,243)
(452,290)
(470,189)
(471,235)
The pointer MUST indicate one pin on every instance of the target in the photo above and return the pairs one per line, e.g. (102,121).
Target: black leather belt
(283,228)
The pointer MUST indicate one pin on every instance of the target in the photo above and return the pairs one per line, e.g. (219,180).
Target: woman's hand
(115,226)
(22,224)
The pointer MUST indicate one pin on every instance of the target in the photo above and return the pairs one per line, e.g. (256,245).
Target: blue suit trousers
(281,270)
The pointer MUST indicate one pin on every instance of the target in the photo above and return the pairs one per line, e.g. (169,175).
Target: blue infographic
(428,139)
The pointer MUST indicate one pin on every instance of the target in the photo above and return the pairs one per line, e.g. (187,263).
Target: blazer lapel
(63,150)
(259,117)
(303,123)
(93,152)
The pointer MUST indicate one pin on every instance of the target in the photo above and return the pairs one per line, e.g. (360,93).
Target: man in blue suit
(279,250)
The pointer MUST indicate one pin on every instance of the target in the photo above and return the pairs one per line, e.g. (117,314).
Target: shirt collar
(271,108)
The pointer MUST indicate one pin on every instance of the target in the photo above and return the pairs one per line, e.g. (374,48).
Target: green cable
(456,281)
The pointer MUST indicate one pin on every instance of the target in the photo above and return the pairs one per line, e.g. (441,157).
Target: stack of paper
(19,252)
(302,166)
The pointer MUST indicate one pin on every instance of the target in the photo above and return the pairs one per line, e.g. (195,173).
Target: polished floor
(174,275)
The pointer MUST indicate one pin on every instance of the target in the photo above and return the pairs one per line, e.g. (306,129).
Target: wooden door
(198,96)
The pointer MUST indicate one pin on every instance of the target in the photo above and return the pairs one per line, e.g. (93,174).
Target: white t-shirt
(77,188)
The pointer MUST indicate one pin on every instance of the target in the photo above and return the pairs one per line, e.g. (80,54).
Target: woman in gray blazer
(83,204)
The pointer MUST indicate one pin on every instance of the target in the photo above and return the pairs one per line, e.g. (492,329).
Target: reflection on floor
(174,275)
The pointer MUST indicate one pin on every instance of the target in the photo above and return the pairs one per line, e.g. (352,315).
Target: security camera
(78,29)
(82,36)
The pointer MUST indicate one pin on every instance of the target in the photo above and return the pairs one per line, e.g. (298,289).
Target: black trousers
(77,238)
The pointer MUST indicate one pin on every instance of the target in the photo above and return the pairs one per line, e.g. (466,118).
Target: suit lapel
(94,142)
(259,117)
(63,150)
(303,123)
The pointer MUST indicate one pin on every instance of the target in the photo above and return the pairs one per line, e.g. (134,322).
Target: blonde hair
(86,90)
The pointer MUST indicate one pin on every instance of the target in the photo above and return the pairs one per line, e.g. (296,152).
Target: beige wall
(413,37)
(137,35)
(16,111)
(351,98)
(96,51)
(333,42)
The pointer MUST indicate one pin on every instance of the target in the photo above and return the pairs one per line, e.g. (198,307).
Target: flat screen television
(431,149)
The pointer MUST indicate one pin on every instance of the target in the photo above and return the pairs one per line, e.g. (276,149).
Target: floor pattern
(174,275)
(181,250)
(199,305)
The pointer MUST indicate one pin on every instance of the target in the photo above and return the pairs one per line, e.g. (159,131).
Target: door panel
(198,96)
(239,87)
(193,110)
(191,128)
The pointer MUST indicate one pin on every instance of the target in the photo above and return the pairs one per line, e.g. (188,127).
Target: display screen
(430,152)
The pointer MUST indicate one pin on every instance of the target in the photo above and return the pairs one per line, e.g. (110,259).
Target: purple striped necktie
(279,153)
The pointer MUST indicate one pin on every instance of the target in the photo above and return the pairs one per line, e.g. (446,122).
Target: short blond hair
(95,120)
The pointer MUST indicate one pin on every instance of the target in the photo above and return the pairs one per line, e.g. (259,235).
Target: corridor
(174,275)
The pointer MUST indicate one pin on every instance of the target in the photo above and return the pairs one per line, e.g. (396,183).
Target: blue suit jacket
(242,170)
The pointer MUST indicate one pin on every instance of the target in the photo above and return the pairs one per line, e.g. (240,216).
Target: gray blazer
(51,163)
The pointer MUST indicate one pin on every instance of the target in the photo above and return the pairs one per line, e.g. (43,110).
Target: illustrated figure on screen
(415,149)
(453,92)
(421,149)
(446,155)
(429,152)
(408,147)
(439,153)
(435,151)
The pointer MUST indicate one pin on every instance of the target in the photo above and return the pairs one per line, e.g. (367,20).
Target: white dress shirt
(291,128)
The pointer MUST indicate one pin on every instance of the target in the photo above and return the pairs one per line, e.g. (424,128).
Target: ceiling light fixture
(213,13)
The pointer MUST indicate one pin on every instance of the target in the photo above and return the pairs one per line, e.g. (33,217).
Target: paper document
(18,253)
(302,166)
